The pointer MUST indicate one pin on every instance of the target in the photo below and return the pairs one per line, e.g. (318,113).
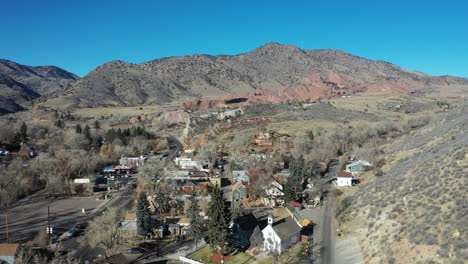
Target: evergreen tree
(197,225)
(97,142)
(59,123)
(78,129)
(23,133)
(15,143)
(218,225)
(236,210)
(87,133)
(310,135)
(144,220)
(293,186)
(110,135)
(315,169)
(97,125)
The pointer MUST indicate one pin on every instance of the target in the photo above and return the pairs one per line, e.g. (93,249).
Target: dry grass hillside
(272,73)
(416,211)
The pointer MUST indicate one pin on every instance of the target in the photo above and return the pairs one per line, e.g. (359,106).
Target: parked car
(134,251)
(68,234)
(81,225)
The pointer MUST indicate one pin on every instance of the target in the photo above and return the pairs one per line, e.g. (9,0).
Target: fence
(190,261)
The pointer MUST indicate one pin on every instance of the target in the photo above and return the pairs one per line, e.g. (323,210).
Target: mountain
(271,73)
(20,84)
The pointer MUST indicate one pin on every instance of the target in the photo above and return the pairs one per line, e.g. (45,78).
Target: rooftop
(237,185)
(130,217)
(285,227)
(8,249)
(344,174)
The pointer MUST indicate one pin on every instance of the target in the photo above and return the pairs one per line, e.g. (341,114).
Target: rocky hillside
(271,73)
(20,84)
(416,211)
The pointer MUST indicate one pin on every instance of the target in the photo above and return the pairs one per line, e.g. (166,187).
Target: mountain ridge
(271,73)
(20,84)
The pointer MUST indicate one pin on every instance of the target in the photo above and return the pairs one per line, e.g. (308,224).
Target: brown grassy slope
(416,211)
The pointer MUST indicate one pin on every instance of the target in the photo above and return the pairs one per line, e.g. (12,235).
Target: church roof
(286,227)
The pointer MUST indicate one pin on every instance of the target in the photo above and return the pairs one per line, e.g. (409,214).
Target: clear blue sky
(429,36)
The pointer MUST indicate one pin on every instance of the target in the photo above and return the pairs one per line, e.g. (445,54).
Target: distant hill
(271,73)
(20,84)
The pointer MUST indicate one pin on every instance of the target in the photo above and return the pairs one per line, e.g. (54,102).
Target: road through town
(327,239)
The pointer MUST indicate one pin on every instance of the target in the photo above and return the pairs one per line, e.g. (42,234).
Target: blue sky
(429,36)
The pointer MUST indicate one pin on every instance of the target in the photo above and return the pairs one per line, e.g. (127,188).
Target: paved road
(171,252)
(174,146)
(327,240)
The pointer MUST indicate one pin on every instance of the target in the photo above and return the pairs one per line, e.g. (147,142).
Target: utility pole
(49,230)
(6,226)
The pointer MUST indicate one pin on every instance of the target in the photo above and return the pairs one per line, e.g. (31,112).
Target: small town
(233,132)
(180,204)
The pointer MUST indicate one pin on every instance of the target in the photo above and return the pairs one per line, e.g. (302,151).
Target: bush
(378,172)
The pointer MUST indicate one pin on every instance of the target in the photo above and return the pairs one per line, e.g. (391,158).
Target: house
(344,178)
(129,224)
(239,192)
(242,228)
(108,169)
(132,161)
(187,163)
(280,234)
(187,187)
(241,175)
(295,206)
(8,252)
(274,194)
(358,166)
(124,169)
(216,181)
(184,223)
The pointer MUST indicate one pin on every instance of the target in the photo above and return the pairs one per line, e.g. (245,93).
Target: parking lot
(29,215)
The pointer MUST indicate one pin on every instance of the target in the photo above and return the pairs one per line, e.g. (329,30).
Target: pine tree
(97,125)
(23,133)
(315,169)
(310,135)
(78,129)
(197,227)
(97,142)
(293,186)
(59,123)
(144,220)
(87,133)
(218,225)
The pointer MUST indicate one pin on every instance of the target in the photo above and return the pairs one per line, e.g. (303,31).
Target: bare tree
(103,230)
(74,140)
(208,152)
(9,176)
(152,174)
(26,255)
